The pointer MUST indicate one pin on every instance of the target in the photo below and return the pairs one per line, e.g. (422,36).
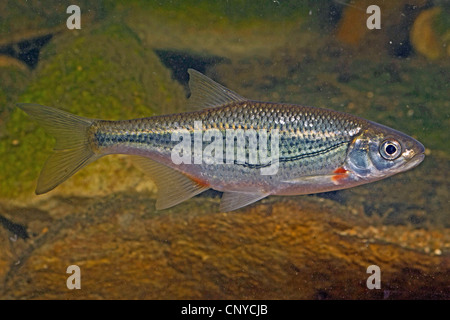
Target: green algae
(13,79)
(103,73)
(232,11)
(442,23)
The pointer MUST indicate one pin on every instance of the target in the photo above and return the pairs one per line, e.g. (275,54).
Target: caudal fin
(72,150)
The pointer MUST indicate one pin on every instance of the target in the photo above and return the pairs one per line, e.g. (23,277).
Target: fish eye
(390,149)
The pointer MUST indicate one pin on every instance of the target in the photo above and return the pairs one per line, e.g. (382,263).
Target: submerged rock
(295,248)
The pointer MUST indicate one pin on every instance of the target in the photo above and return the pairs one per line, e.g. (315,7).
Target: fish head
(379,152)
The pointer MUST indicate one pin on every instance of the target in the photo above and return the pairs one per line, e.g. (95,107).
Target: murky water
(130,61)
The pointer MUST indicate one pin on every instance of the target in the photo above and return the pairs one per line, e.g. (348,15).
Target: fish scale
(313,140)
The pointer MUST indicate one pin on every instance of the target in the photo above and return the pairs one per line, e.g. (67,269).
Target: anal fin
(235,200)
(173,186)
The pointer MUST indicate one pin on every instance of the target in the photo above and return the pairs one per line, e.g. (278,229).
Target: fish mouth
(413,155)
(414,161)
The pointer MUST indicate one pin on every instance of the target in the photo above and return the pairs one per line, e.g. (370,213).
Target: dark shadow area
(15,228)
(27,50)
(180,61)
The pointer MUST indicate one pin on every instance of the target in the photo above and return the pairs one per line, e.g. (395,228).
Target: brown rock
(297,248)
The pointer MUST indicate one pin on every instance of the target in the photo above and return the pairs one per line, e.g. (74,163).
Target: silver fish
(309,149)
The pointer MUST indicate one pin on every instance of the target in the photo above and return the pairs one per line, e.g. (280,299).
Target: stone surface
(298,248)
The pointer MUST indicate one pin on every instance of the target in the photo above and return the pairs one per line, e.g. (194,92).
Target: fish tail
(72,149)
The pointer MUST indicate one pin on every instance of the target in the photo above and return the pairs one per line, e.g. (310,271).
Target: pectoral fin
(334,178)
(235,200)
(173,186)
(310,179)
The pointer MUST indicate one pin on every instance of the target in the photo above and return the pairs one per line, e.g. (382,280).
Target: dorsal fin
(173,186)
(206,93)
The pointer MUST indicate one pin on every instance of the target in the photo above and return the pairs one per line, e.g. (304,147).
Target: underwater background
(130,60)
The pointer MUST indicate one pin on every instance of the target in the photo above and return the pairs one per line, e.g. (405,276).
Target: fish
(303,149)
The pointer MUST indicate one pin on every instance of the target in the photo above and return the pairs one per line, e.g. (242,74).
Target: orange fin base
(340,173)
